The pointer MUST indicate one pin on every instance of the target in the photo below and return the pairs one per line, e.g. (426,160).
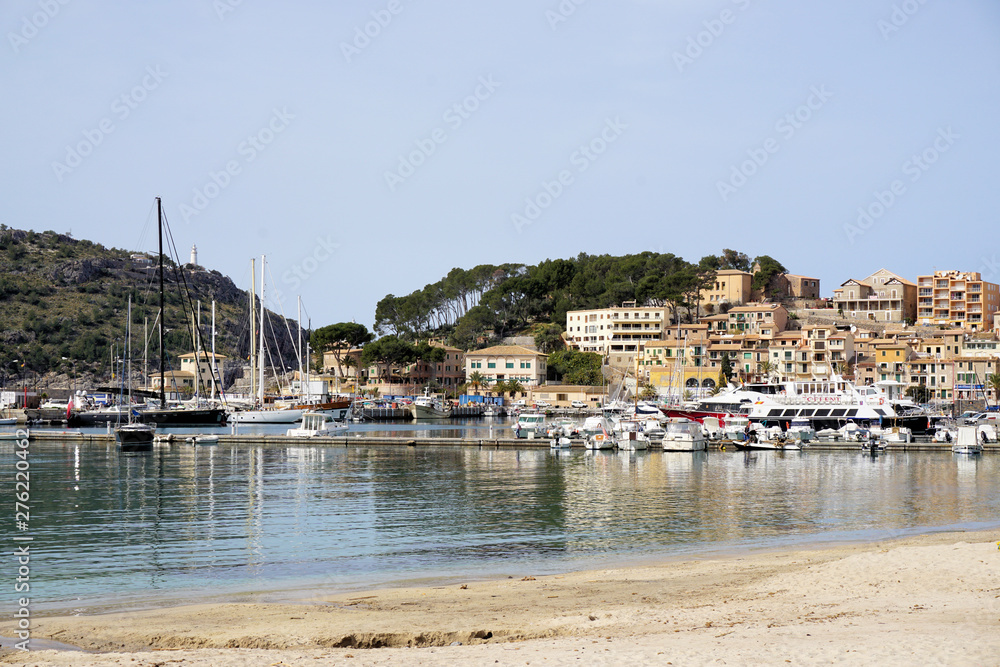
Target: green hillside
(64,301)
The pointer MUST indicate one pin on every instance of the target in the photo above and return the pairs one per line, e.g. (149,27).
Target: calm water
(184,523)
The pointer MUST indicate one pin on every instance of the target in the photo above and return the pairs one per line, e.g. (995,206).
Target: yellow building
(730,286)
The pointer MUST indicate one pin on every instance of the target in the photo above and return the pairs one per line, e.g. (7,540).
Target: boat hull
(135,438)
(429,412)
(267,416)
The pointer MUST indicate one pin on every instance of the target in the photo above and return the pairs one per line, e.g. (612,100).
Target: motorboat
(967,441)
(594,425)
(800,429)
(684,435)
(630,435)
(897,435)
(316,424)
(565,428)
(560,442)
(600,441)
(529,425)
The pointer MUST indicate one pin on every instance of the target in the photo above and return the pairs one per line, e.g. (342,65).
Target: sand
(932,599)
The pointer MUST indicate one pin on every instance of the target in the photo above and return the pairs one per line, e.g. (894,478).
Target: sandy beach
(932,599)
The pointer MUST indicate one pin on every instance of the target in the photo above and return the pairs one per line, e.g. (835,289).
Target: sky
(367,148)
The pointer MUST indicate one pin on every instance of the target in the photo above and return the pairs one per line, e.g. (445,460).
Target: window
(491,365)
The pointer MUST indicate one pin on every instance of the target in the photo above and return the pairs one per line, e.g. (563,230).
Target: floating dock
(363,440)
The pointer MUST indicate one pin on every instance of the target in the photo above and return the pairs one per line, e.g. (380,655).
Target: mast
(299,322)
(197,354)
(260,342)
(253,327)
(215,368)
(159,228)
(128,357)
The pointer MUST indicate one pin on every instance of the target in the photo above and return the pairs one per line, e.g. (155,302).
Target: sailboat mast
(253,327)
(260,342)
(215,368)
(159,227)
(299,322)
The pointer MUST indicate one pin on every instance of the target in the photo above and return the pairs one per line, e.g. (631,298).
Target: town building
(608,330)
(766,319)
(957,299)
(729,286)
(508,362)
(882,296)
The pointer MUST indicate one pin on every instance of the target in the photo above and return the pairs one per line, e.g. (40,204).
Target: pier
(359,440)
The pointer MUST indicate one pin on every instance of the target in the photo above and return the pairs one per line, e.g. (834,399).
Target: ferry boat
(823,403)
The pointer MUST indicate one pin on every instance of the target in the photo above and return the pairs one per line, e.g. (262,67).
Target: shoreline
(938,592)
(302,591)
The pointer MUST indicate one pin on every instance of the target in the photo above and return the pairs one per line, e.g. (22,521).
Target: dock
(361,440)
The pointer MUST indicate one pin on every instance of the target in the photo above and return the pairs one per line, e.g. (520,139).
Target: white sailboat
(260,415)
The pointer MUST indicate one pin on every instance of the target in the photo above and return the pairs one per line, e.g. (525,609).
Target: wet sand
(931,599)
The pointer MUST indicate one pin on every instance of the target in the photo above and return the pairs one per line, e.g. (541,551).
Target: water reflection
(186,521)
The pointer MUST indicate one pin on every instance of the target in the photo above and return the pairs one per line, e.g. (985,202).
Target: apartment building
(957,299)
(882,296)
(608,330)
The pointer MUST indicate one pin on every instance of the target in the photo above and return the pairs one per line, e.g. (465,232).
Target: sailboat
(181,415)
(133,436)
(260,415)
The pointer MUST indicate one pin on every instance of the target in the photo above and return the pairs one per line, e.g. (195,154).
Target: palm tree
(993,381)
(514,388)
(499,388)
(476,381)
(766,369)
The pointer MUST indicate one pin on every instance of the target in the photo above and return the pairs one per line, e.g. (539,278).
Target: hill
(63,305)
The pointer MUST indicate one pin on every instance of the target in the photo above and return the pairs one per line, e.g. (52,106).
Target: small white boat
(8,421)
(600,441)
(897,435)
(967,441)
(135,437)
(735,428)
(316,424)
(529,425)
(490,412)
(684,435)
(712,428)
(631,436)
(203,440)
(594,425)
(561,442)
(828,434)
(800,429)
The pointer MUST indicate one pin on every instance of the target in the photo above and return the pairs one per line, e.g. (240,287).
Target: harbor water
(240,522)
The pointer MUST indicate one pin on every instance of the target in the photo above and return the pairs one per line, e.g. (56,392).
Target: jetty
(365,440)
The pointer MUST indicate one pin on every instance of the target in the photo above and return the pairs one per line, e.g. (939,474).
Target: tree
(919,393)
(476,381)
(735,260)
(386,352)
(993,382)
(549,338)
(572,367)
(767,269)
(766,369)
(726,371)
(337,337)
(648,392)
(514,388)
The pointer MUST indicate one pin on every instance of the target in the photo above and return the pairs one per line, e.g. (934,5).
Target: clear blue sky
(456,134)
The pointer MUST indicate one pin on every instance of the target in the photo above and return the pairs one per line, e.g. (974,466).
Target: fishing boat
(429,407)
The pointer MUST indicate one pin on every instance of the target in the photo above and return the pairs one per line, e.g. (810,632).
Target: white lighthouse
(194,255)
